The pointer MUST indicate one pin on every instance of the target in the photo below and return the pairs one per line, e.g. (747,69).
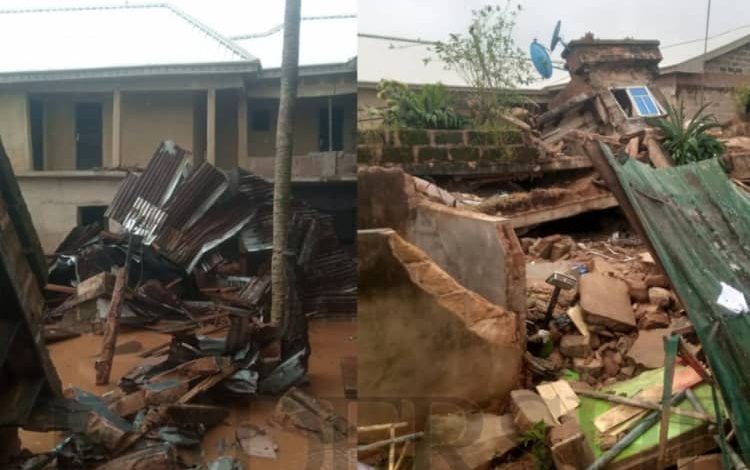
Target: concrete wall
(481,252)
(14,129)
(151,117)
(473,248)
(735,62)
(306,121)
(53,200)
(59,129)
(424,339)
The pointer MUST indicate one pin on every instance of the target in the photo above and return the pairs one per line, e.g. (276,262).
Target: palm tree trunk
(283,161)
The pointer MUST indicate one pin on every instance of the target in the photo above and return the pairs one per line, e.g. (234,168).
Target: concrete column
(116,128)
(242,127)
(211,126)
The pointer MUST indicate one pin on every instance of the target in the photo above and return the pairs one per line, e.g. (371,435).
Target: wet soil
(330,341)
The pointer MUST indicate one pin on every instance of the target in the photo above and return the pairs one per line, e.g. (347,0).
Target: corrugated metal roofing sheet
(109,36)
(698,225)
(155,185)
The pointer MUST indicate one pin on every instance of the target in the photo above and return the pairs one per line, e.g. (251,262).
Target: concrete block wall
(481,252)
(427,147)
(734,62)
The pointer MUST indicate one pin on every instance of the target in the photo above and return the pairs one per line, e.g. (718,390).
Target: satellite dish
(556,38)
(541,60)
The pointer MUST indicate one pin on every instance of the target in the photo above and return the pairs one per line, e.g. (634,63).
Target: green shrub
(742,96)
(429,107)
(687,140)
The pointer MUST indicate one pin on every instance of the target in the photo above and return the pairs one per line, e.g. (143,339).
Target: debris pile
(191,258)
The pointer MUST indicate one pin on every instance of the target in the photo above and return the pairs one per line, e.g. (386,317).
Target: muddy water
(330,340)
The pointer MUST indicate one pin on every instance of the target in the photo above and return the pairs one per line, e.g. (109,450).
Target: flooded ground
(330,341)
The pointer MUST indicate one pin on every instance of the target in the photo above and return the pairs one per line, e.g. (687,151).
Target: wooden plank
(562,211)
(683,379)
(559,397)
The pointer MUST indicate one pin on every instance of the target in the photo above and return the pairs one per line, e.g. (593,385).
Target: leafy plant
(742,96)
(488,59)
(534,440)
(687,140)
(429,107)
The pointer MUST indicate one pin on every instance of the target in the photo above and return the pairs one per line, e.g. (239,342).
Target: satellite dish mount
(540,54)
(556,38)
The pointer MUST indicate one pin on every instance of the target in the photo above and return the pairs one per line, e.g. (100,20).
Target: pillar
(211,126)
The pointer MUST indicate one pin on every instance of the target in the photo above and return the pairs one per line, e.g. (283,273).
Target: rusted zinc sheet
(697,225)
(155,185)
(28,379)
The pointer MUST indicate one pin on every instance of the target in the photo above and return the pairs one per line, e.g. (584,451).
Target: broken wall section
(480,251)
(417,316)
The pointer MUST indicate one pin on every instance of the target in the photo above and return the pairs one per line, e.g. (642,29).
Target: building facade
(74,131)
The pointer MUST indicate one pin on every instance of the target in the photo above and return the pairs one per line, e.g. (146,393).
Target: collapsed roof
(696,223)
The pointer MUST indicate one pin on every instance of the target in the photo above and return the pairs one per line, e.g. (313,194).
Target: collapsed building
(189,256)
(615,324)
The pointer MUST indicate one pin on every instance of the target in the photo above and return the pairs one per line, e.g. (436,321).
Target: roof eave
(214,68)
(314,70)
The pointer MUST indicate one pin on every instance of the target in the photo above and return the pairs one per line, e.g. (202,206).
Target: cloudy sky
(229,17)
(669,21)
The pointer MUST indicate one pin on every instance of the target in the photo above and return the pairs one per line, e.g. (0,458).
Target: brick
(464,154)
(657,280)
(575,346)
(638,290)
(494,154)
(411,137)
(523,152)
(528,408)
(448,137)
(426,154)
(397,155)
(592,366)
(659,296)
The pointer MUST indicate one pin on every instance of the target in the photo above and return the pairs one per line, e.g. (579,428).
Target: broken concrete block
(559,249)
(653,319)
(648,349)
(638,290)
(591,366)
(570,450)
(575,346)
(470,441)
(657,280)
(611,361)
(659,296)
(606,302)
(418,316)
(528,408)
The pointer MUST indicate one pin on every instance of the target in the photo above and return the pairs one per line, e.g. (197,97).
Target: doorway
(88,135)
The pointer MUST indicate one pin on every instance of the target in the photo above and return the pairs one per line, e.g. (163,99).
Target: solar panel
(644,103)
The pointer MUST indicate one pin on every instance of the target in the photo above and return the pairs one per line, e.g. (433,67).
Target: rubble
(606,302)
(192,259)
(528,408)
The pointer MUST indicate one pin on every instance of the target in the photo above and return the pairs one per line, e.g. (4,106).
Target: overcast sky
(669,21)
(229,17)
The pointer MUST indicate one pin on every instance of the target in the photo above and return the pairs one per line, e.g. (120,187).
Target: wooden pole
(648,405)
(103,365)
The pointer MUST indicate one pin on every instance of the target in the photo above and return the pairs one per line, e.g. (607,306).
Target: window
(637,101)
(260,120)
